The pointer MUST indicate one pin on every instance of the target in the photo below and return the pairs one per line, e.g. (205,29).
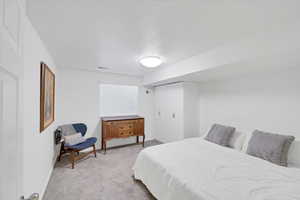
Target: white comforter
(194,169)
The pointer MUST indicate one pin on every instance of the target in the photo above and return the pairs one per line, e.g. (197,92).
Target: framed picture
(47,98)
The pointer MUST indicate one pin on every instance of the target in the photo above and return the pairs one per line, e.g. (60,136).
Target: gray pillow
(220,134)
(270,147)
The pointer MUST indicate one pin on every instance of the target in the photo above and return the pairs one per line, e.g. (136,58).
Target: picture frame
(47,97)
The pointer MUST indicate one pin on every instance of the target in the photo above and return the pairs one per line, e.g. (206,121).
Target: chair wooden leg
(60,153)
(72,159)
(94,150)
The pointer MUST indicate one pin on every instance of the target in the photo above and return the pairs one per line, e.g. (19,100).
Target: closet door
(169,112)
(174,112)
(160,125)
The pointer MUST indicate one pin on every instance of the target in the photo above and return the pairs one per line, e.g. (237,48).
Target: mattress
(195,169)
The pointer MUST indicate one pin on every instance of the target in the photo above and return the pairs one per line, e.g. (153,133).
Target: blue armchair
(75,149)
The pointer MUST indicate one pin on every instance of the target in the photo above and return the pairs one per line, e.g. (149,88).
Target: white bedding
(194,169)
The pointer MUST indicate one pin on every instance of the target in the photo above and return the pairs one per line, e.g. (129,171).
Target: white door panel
(169,112)
(1,9)
(12,18)
(11,75)
(9,140)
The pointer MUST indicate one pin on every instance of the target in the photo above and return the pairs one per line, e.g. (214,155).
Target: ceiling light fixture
(151,61)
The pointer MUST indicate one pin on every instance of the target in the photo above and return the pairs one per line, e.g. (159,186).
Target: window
(116,100)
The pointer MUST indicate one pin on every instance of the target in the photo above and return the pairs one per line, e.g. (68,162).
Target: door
(11,75)
(12,14)
(161,129)
(169,112)
(10,142)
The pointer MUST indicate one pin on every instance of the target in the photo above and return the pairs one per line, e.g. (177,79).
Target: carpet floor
(107,177)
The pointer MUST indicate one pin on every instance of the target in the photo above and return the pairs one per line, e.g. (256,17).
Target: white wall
(191,109)
(78,100)
(117,100)
(268,101)
(38,147)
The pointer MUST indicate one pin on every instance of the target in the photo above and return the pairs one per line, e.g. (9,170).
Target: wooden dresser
(122,127)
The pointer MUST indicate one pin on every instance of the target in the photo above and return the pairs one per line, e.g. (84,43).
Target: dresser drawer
(124,127)
(126,133)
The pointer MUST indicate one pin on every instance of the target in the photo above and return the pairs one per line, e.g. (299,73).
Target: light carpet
(107,177)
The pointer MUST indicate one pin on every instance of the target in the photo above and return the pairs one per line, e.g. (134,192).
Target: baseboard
(158,141)
(47,182)
(148,139)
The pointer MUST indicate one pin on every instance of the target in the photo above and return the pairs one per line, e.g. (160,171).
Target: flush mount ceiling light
(151,61)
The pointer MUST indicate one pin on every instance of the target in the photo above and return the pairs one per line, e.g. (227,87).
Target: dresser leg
(137,139)
(60,152)
(104,147)
(143,141)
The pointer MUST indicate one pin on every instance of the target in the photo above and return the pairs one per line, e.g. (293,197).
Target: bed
(195,169)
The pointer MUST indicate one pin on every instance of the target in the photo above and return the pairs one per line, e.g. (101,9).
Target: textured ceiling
(116,33)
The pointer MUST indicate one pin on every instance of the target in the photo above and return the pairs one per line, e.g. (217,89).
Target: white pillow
(73,139)
(294,154)
(248,136)
(237,140)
